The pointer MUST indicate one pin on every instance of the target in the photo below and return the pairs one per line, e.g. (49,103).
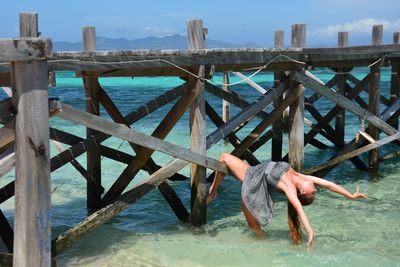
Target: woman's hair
(294,220)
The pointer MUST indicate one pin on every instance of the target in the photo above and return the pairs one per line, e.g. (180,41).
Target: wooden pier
(27,66)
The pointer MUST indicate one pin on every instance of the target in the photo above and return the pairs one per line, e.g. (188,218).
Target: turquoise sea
(348,233)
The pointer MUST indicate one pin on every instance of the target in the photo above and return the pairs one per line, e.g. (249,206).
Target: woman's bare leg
(235,165)
(252,222)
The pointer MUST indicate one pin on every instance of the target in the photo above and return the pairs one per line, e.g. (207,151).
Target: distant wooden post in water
(343,41)
(277,126)
(395,84)
(92,106)
(32,183)
(296,111)
(225,104)
(198,185)
(374,98)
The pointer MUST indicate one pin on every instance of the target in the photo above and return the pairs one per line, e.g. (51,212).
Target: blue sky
(231,21)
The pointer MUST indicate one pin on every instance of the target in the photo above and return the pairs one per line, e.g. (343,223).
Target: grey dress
(258,184)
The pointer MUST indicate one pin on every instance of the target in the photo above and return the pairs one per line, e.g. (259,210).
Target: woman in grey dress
(259,181)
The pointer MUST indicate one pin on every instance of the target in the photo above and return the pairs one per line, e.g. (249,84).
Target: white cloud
(159,31)
(362,26)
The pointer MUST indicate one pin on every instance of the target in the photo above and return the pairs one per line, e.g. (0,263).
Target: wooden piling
(225,104)
(377,34)
(277,131)
(296,111)
(32,183)
(394,82)
(92,106)
(343,41)
(197,131)
(374,99)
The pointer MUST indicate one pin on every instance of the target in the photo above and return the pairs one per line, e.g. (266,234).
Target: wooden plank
(197,122)
(79,147)
(296,110)
(354,144)
(165,126)
(62,242)
(24,49)
(340,121)
(225,104)
(247,114)
(150,142)
(277,138)
(168,193)
(278,39)
(32,184)
(377,34)
(7,161)
(233,139)
(345,103)
(5,79)
(374,103)
(7,134)
(353,153)
(343,39)
(289,99)
(6,232)
(395,88)
(250,82)
(93,156)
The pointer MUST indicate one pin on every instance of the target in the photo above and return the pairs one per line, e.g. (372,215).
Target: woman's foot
(211,196)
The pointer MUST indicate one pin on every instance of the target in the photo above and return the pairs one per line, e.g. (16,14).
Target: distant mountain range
(167,42)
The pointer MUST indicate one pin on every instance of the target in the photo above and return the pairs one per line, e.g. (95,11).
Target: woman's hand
(358,194)
(310,239)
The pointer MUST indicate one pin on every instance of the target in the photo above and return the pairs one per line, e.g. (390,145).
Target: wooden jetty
(27,67)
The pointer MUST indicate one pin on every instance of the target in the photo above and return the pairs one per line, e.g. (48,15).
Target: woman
(258,183)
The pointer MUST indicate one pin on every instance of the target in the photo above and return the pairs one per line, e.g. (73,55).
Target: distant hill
(167,42)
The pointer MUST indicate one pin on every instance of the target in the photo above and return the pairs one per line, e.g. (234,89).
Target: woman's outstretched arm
(335,188)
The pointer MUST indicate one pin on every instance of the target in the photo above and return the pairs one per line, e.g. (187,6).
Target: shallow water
(348,233)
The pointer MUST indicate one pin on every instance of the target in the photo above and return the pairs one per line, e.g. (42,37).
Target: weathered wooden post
(276,147)
(93,107)
(225,104)
(296,111)
(197,131)
(343,41)
(374,98)
(394,84)
(32,240)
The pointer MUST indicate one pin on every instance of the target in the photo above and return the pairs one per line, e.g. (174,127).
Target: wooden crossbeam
(330,132)
(150,142)
(25,49)
(7,160)
(289,99)
(233,139)
(382,98)
(161,132)
(6,109)
(80,147)
(251,83)
(245,115)
(62,242)
(6,232)
(354,153)
(169,194)
(344,103)
(387,114)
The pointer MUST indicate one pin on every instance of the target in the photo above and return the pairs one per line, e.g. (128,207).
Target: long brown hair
(294,220)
